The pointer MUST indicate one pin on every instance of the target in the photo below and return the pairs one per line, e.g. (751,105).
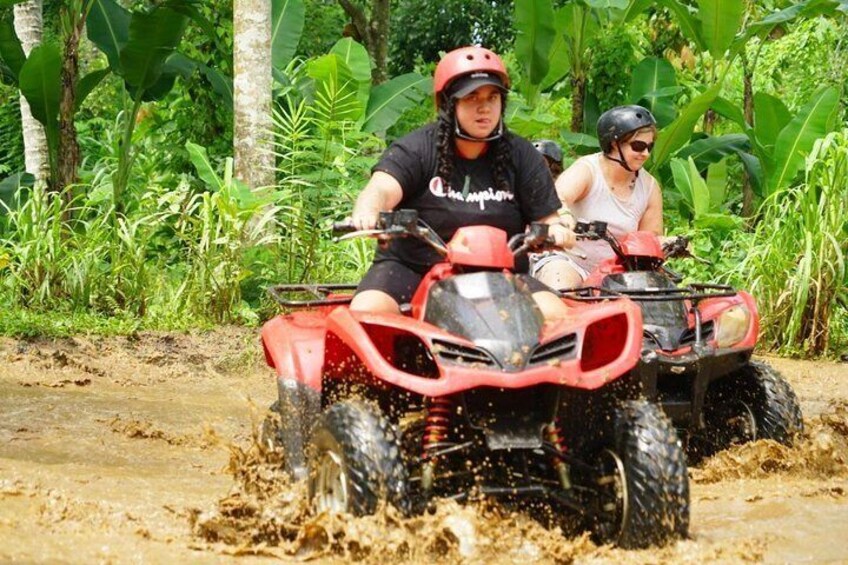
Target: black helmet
(549,149)
(617,122)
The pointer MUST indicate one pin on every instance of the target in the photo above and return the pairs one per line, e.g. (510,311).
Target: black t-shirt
(470,198)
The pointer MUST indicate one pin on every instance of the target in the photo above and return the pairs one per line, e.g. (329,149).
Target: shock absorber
(554,432)
(436,427)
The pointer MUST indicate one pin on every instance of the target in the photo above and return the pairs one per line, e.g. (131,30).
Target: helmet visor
(465,85)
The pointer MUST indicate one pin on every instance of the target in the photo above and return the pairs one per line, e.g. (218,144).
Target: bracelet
(567,219)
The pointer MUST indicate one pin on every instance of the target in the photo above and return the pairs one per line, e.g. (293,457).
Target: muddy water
(141,450)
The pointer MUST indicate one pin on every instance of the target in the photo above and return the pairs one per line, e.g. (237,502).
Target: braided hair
(446,147)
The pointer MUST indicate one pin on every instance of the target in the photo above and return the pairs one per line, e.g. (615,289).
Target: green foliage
(793,67)
(421,30)
(796,266)
(19,322)
(653,85)
(217,227)
(534,24)
(324,23)
(679,132)
(718,253)
(613,61)
(175,118)
(287,17)
(11,138)
(324,159)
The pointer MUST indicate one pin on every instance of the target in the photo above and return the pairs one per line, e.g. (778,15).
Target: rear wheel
(641,481)
(355,461)
(753,403)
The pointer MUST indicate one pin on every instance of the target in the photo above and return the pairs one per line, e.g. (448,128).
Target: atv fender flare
(294,347)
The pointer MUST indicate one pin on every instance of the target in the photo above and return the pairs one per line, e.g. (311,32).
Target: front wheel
(355,462)
(641,481)
(753,403)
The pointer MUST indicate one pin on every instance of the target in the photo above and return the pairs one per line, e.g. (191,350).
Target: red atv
(469,393)
(698,340)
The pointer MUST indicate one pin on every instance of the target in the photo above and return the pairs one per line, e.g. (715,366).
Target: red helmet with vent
(465,61)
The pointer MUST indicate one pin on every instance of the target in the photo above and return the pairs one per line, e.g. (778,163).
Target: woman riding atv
(464,169)
(610,186)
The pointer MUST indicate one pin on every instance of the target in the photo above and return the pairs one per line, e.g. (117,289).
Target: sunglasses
(640,146)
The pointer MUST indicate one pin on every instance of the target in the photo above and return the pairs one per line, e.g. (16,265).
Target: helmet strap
(458,132)
(622,161)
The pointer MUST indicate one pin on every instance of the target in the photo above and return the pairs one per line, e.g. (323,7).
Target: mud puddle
(142,450)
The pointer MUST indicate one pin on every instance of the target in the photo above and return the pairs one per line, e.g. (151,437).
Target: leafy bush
(796,266)
(11,138)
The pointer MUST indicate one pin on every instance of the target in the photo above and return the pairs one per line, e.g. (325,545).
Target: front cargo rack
(694,292)
(284,294)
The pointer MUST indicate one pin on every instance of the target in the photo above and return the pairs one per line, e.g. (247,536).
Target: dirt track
(123,450)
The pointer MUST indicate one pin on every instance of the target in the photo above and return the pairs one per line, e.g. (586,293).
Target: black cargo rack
(281,292)
(695,292)
(590,294)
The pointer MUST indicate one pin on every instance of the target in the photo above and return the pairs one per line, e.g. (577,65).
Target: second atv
(469,393)
(698,342)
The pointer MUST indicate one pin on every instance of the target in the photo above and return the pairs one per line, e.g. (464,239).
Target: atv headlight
(732,325)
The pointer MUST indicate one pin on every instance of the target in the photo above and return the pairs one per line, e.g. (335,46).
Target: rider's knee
(374,301)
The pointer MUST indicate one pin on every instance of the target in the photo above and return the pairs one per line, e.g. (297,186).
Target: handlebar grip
(340,228)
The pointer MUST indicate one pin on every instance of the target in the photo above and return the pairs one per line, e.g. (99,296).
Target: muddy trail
(142,449)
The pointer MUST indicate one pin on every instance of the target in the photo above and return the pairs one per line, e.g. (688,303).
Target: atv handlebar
(399,223)
(341,228)
(405,223)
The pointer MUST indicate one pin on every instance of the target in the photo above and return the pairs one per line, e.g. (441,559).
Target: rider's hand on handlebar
(676,246)
(562,236)
(365,219)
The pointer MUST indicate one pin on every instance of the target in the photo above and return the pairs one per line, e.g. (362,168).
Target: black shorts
(396,279)
(400,281)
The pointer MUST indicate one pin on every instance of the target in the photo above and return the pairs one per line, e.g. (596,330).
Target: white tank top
(600,204)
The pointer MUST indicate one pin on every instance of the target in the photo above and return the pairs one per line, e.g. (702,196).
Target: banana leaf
(39,83)
(713,149)
(793,143)
(720,21)
(391,99)
(152,39)
(770,117)
(88,83)
(357,60)
(204,167)
(108,27)
(650,86)
(675,135)
(717,184)
(287,17)
(11,52)
(534,25)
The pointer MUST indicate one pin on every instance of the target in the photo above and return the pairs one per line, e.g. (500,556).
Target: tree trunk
(380,39)
(28,27)
(578,92)
(254,159)
(748,106)
(69,152)
(374,34)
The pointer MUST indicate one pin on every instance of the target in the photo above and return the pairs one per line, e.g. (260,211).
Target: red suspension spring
(437,425)
(555,436)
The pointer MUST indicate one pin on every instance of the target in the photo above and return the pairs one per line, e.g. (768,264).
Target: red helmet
(464,61)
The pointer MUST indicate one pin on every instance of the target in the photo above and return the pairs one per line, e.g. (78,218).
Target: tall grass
(797,265)
(217,228)
(177,255)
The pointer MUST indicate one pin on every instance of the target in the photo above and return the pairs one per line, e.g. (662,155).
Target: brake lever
(357,234)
